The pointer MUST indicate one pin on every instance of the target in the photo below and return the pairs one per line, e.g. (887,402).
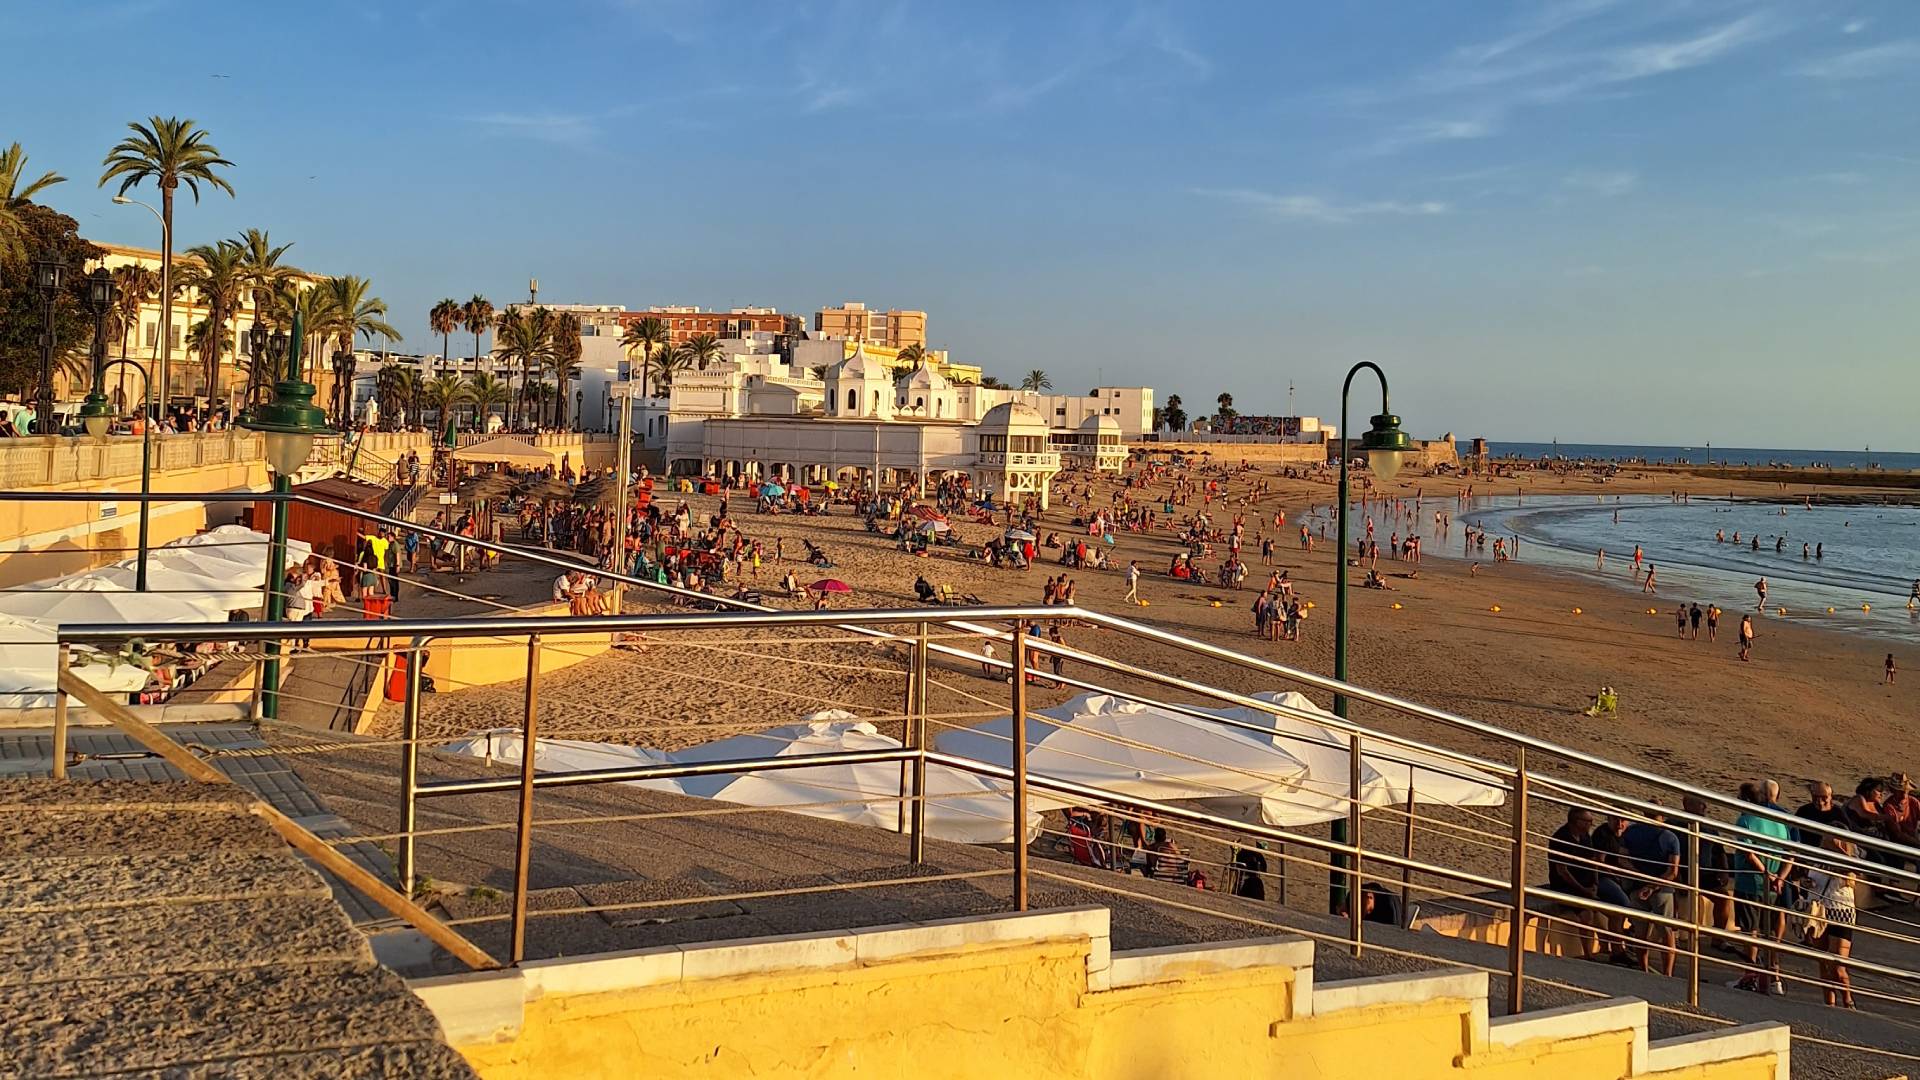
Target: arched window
(853,401)
(876,402)
(919,403)
(939,407)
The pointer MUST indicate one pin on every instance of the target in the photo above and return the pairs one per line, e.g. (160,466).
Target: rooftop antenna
(533,292)
(1290,397)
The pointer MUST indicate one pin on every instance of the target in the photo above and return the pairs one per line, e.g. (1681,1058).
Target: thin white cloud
(1607,184)
(1854,26)
(1318,209)
(553,127)
(1867,63)
(1434,131)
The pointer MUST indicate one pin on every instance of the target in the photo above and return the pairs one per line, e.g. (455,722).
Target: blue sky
(1671,221)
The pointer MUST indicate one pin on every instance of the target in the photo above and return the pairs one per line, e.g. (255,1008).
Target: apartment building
(893,329)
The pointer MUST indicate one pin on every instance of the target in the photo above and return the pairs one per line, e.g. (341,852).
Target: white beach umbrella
(29,655)
(1133,749)
(960,806)
(167,579)
(230,573)
(92,600)
(1387,774)
(560,755)
(241,544)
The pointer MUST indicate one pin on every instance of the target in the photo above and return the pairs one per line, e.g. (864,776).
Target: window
(993,444)
(853,401)
(153,334)
(175,336)
(1060,411)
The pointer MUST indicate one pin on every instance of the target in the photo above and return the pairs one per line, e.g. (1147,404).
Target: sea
(1850,567)
(1863,458)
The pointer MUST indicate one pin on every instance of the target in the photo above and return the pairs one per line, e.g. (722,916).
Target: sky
(1662,222)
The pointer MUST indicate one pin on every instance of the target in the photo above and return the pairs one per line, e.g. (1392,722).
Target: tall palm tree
(397,388)
(913,355)
(648,334)
(209,338)
(702,349)
(444,317)
(314,305)
(1225,401)
(564,362)
(1036,381)
(170,152)
(477,316)
(354,315)
(524,341)
(135,285)
(485,391)
(669,363)
(14,193)
(1173,416)
(992,382)
(446,392)
(218,274)
(262,271)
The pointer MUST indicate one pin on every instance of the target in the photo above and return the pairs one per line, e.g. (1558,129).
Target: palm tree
(524,340)
(702,349)
(169,151)
(913,355)
(671,363)
(485,391)
(444,317)
(477,316)
(1225,401)
(397,388)
(1173,416)
(992,382)
(14,195)
(646,334)
(1036,381)
(354,314)
(314,306)
(564,362)
(445,392)
(219,275)
(136,285)
(262,272)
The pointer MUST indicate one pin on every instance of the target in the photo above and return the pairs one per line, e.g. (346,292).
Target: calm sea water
(1700,455)
(1869,555)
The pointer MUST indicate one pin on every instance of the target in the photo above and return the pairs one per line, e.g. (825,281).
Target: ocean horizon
(1891,461)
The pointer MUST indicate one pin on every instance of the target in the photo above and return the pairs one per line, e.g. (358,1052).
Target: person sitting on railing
(1574,870)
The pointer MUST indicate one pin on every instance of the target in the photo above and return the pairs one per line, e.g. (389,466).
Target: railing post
(1356,917)
(1517,928)
(60,713)
(409,766)
(523,836)
(1406,852)
(917,725)
(1020,765)
(1693,913)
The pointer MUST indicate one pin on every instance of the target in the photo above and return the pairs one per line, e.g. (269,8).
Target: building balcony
(999,461)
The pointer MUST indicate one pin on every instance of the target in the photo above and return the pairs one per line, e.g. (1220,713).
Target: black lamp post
(290,422)
(1384,443)
(49,271)
(97,413)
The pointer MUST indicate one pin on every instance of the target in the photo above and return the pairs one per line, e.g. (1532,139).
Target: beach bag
(1811,917)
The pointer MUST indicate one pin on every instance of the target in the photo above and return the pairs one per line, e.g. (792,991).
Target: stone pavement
(159,929)
(112,755)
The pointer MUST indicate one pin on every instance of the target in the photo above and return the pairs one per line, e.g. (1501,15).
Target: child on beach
(1889,680)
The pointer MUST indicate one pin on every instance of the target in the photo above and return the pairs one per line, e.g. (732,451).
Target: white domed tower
(926,394)
(1099,444)
(1011,454)
(859,388)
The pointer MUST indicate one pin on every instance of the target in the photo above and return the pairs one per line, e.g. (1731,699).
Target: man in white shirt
(563,586)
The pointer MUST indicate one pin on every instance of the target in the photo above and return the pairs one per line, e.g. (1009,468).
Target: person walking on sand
(1760,588)
(1713,622)
(1693,620)
(1133,581)
(1680,620)
(1746,637)
(1889,678)
(1600,560)
(1647,586)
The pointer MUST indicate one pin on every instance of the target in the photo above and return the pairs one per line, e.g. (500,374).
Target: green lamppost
(1384,443)
(290,422)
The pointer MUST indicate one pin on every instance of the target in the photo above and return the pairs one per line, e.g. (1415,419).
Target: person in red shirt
(1901,810)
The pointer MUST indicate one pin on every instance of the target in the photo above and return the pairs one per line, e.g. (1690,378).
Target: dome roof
(925,378)
(859,366)
(1100,423)
(1012,416)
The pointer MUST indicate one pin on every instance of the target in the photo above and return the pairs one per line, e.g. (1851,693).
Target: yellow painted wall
(455,663)
(1022,1009)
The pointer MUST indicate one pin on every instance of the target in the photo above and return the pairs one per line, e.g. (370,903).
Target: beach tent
(28,656)
(168,579)
(1133,749)
(240,544)
(227,573)
(93,600)
(1388,774)
(960,806)
(507,450)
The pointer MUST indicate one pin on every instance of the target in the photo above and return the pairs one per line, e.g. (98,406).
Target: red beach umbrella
(830,585)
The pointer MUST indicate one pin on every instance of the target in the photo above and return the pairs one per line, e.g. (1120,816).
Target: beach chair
(943,595)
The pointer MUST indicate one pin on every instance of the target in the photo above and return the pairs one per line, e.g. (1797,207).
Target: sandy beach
(1811,703)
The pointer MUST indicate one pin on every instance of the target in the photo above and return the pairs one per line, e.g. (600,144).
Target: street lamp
(49,271)
(96,413)
(289,423)
(1385,446)
(166,299)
